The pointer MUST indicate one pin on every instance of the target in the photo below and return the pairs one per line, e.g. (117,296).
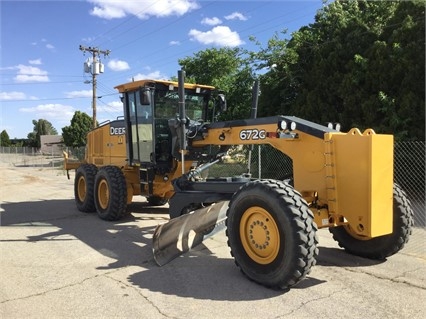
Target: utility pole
(95,68)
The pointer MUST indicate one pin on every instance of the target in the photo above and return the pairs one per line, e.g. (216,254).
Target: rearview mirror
(145,96)
(221,102)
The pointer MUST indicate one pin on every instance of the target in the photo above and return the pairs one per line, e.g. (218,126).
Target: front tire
(110,193)
(271,233)
(383,246)
(84,188)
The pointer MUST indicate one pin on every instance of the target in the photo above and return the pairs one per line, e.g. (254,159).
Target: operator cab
(150,107)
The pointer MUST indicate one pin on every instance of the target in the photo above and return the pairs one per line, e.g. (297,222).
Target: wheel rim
(352,233)
(81,189)
(259,235)
(103,194)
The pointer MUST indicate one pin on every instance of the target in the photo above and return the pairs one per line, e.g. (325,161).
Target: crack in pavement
(60,288)
(139,292)
(304,303)
(105,275)
(377,276)
(394,280)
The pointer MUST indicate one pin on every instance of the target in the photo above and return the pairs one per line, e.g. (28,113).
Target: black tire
(84,188)
(110,193)
(383,246)
(156,200)
(271,233)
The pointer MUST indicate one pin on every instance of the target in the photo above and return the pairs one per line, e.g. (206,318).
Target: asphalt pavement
(56,262)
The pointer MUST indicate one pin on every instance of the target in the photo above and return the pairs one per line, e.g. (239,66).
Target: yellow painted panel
(363,178)
(382,184)
(118,151)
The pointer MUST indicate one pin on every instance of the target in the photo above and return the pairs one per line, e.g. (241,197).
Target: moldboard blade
(181,234)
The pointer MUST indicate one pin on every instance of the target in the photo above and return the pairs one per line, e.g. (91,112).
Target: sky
(42,67)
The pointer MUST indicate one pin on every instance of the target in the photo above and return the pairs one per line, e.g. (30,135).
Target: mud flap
(185,232)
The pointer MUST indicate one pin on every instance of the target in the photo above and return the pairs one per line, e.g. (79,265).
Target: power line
(56,98)
(165,60)
(45,99)
(26,83)
(132,17)
(170,57)
(52,75)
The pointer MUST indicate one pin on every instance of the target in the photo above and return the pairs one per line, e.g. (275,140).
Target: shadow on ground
(329,256)
(198,274)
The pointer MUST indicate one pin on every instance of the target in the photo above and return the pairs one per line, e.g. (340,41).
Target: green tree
(276,85)
(228,71)
(74,135)
(361,63)
(402,55)
(41,127)
(4,138)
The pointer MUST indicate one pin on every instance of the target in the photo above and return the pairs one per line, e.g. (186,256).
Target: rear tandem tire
(110,193)
(84,188)
(383,246)
(156,200)
(271,233)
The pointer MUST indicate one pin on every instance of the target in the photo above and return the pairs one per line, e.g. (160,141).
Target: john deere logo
(117,131)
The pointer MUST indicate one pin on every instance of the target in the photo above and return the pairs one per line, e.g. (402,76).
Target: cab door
(140,123)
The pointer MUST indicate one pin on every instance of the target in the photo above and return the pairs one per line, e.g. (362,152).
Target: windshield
(166,104)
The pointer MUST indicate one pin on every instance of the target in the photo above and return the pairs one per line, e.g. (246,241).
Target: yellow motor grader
(169,138)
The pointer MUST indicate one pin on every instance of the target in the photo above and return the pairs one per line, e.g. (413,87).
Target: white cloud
(118,65)
(108,11)
(50,111)
(236,16)
(35,62)
(111,107)
(13,95)
(155,75)
(174,43)
(220,35)
(21,78)
(211,21)
(88,39)
(78,94)
(28,73)
(116,104)
(43,41)
(143,9)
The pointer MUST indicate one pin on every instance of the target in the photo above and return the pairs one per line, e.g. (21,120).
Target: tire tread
(303,232)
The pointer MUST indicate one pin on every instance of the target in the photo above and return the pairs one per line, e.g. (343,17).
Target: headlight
(337,127)
(282,125)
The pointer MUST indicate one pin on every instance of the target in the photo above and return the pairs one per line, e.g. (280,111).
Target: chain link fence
(410,171)
(264,161)
(261,161)
(30,157)
(50,157)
